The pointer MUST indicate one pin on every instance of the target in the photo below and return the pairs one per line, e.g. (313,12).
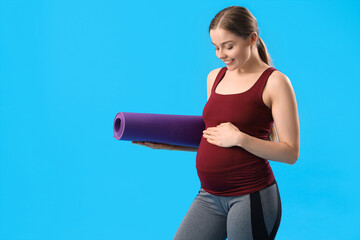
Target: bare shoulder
(278,83)
(212,75)
(211,79)
(278,80)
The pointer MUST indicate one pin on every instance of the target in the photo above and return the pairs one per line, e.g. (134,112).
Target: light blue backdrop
(67,67)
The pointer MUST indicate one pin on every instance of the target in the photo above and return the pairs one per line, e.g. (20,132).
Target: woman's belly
(215,159)
(221,168)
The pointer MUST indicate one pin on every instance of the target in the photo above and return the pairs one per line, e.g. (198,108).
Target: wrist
(241,138)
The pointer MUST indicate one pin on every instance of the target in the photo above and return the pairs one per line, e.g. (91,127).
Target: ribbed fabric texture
(233,171)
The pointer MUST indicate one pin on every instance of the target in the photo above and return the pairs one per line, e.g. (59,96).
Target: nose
(221,55)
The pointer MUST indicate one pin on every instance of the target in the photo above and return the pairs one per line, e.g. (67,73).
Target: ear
(253,38)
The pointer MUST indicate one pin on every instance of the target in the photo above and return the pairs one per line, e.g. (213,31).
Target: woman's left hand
(223,135)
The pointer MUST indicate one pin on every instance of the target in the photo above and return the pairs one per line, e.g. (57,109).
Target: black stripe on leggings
(278,217)
(257,218)
(259,231)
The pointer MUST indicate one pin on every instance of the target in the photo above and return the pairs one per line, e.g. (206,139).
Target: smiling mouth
(229,62)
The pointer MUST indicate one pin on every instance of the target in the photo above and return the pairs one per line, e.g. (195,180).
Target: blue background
(67,67)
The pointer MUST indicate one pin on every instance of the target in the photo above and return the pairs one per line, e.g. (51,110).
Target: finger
(213,130)
(207,136)
(210,140)
(152,144)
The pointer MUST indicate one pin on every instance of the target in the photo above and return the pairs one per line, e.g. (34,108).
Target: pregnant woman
(239,197)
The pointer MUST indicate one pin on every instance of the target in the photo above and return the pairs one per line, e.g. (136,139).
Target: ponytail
(264,55)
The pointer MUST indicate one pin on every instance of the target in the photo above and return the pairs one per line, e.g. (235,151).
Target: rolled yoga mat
(183,130)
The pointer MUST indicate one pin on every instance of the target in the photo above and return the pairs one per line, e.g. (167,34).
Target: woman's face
(230,47)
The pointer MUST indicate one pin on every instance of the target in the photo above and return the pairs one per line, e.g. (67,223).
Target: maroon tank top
(233,171)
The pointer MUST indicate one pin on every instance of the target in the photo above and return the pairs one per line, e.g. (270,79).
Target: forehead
(221,36)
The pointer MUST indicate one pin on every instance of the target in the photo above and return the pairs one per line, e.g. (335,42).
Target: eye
(227,48)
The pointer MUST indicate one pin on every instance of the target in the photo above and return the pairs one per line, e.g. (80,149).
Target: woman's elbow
(295,157)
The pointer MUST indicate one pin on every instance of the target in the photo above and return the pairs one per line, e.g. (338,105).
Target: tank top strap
(218,77)
(262,82)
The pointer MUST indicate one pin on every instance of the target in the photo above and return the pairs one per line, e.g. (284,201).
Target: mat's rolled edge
(119,125)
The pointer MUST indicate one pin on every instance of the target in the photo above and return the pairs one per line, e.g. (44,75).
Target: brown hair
(239,21)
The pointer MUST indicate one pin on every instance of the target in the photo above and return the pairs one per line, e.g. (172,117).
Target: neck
(253,65)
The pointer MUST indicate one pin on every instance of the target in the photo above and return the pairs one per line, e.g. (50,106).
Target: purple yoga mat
(183,130)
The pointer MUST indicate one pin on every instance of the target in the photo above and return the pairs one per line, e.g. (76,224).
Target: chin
(231,68)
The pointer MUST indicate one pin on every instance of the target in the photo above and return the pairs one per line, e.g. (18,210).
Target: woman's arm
(285,115)
(165,146)
(183,148)
(275,151)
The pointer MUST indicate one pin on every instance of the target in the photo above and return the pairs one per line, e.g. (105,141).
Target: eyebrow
(224,42)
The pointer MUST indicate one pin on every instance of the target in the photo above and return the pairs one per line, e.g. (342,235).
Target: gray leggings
(254,216)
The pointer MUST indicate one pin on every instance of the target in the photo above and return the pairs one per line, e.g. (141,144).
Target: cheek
(242,55)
